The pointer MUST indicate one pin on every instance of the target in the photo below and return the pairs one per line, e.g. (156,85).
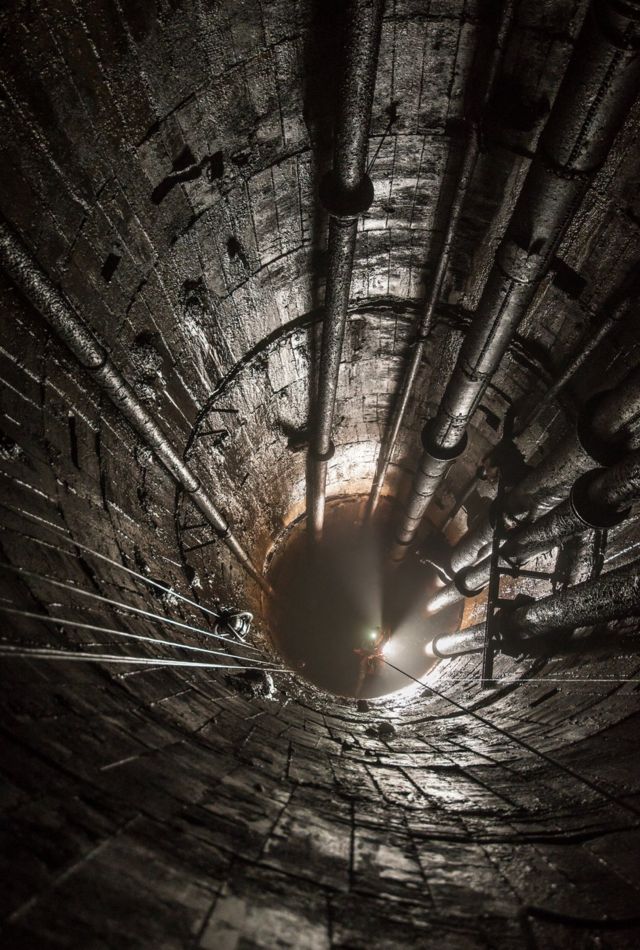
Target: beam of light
(50,653)
(117,603)
(46,618)
(103,557)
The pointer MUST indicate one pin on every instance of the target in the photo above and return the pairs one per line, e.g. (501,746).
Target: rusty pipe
(471,152)
(346,193)
(613,596)
(470,640)
(615,317)
(598,499)
(607,428)
(600,83)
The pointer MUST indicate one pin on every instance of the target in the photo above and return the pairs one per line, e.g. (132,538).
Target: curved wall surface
(161,163)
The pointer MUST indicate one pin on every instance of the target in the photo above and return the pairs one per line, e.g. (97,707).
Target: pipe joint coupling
(439,452)
(345,203)
(592,514)
(325,456)
(603,452)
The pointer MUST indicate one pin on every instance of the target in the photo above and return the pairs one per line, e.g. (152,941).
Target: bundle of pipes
(601,82)
(598,499)
(346,193)
(613,316)
(471,152)
(614,596)
(31,281)
(608,426)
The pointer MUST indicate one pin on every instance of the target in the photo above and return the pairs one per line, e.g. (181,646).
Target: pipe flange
(603,452)
(589,511)
(342,203)
(437,451)
(325,456)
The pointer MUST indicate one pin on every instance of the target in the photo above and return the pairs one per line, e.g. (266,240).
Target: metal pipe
(600,84)
(471,152)
(607,424)
(31,280)
(614,596)
(471,582)
(598,499)
(619,313)
(346,193)
(470,640)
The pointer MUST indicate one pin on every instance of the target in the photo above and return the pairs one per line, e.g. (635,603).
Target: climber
(372,656)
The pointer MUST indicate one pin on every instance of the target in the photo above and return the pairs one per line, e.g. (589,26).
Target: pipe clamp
(343,203)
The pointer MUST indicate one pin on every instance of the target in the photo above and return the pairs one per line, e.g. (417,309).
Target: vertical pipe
(597,90)
(346,193)
(471,152)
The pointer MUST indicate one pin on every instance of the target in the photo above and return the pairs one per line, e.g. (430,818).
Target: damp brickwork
(177,208)
(182,808)
(161,162)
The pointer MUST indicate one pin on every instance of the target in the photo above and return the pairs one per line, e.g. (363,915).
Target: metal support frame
(612,596)
(491,624)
